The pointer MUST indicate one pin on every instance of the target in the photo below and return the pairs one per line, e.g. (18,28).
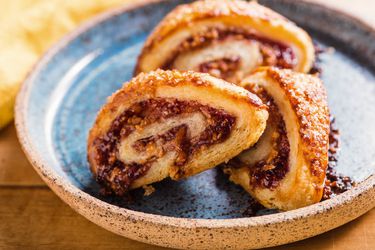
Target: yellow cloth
(27,29)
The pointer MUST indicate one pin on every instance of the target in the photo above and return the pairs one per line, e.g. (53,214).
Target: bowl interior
(74,83)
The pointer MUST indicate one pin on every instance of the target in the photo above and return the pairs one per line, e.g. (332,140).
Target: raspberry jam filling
(117,177)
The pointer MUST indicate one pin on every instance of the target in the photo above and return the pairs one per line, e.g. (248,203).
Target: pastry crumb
(149,189)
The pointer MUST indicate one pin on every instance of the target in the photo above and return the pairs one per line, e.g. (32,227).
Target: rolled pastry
(167,123)
(227,39)
(286,168)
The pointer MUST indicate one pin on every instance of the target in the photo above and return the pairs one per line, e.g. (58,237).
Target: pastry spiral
(286,167)
(168,123)
(227,39)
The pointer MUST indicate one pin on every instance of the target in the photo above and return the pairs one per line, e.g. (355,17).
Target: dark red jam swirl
(335,183)
(274,53)
(268,173)
(116,177)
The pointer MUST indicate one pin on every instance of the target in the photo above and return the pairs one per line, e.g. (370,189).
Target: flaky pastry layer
(214,32)
(168,123)
(286,168)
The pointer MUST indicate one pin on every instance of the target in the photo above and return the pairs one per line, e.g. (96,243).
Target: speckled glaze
(59,100)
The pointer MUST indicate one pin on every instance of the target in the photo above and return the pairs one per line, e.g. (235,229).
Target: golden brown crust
(236,13)
(298,180)
(186,14)
(146,83)
(309,101)
(151,126)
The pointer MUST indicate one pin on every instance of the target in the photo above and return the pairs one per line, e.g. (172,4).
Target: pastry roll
(227,39)
(286,168)
(167,123)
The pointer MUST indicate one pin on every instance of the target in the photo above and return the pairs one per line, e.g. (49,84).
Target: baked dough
(168,123)
(286,168)
(227,39)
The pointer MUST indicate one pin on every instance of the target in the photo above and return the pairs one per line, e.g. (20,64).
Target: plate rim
(62,187)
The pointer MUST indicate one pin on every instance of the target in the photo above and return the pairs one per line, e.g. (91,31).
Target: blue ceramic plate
(59,101)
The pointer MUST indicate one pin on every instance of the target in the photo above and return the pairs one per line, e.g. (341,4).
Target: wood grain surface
(33,217)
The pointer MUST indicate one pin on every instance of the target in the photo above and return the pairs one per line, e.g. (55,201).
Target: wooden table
(33,217)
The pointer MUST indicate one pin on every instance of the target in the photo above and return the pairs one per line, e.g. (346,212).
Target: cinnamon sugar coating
(144,82)
(186,14)
(311,108)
